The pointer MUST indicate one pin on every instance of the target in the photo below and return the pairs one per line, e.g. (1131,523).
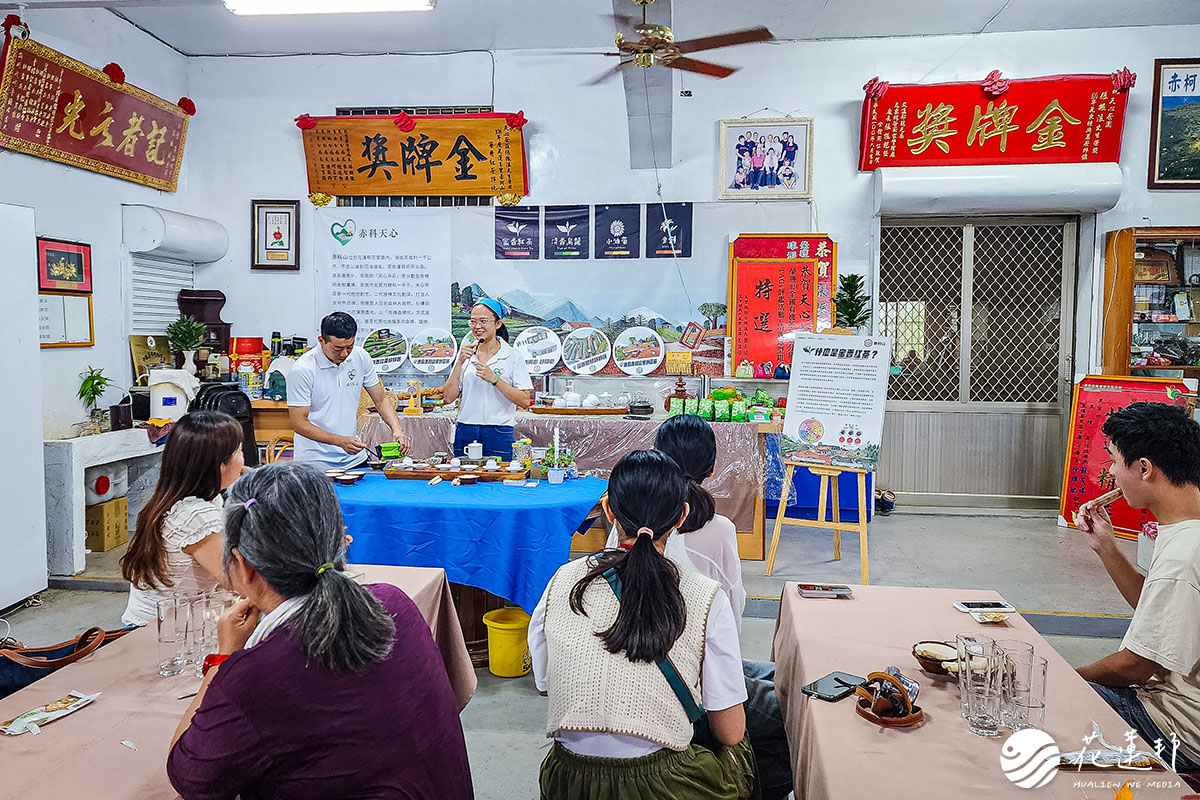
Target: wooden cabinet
(1150,274)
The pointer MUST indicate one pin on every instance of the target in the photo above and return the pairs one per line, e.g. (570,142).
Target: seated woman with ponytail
(337,691)
(631,652)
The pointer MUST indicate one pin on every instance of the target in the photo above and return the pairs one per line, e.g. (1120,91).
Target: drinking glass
(968,645)
(166,609)
(1024,696)
(206,610)
(1017,649)
(983,688)
(185,629)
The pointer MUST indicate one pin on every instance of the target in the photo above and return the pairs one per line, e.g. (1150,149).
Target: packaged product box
(691,406)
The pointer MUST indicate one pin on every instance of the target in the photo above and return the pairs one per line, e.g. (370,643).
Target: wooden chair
(278,446)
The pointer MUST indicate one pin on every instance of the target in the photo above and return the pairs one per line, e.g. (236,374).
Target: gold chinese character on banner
(933,127)
(996,121)
(102,126)
(1051,130)
(131,134)
(71,116)
(154,141)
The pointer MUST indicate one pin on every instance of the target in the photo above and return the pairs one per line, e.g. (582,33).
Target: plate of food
(988,617)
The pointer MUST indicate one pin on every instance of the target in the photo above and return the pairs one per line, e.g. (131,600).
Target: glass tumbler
(968,645)
(1024,696)
(166,612)
(984,681)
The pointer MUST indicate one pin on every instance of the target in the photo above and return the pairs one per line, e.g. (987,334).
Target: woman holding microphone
(493,381)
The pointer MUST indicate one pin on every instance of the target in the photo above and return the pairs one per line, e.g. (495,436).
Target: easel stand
(835,524)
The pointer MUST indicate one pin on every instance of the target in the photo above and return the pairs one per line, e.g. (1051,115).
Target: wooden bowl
(347,480)
(930,665)
(468,480)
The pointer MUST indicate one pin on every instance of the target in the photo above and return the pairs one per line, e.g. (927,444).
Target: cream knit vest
(591,689)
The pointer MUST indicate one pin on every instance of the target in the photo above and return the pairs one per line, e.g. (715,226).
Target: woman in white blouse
(177,544)
(493,381)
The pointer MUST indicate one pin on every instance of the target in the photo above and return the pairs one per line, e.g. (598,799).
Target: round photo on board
(541,347)
(586,351)
(810,431)
(432,350)
(638,350)
(387,348)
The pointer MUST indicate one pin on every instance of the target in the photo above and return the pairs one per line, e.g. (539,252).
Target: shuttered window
(155,284)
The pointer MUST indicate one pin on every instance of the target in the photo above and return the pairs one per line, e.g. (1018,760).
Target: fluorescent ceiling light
(282,7)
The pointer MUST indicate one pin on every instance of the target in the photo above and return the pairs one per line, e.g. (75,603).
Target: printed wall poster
(668,230)
(517,232)
(586,351)
(1175,125)
(387,348)
(432,350)
(638,350)
(567,232)
(618,231)
(836,399)
(541,347)
(387,268)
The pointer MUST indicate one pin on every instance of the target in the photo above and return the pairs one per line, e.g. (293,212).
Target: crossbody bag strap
(674,679)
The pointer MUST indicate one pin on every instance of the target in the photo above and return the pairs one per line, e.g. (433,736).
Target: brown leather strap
(88,642)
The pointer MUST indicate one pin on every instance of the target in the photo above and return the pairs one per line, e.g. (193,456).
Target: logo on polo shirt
(351,375)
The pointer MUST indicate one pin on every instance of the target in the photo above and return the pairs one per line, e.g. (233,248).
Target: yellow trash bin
(508,646)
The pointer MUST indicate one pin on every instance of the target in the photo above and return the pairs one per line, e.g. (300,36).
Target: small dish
(988,617)
(492,467)
(358,473)
(515,466)
(449,467)
(334,473)
(347,480)
(932,655)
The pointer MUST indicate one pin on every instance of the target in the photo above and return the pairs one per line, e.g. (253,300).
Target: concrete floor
(1034,564)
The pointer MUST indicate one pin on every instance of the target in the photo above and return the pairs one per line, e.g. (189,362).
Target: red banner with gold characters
(775,292)
(1054,120)
(460,154)
(55,107)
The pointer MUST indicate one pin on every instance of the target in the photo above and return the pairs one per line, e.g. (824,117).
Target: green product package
(705,408)
(762,398)
(721,411)
(676,407)
(691,406)
(737,411)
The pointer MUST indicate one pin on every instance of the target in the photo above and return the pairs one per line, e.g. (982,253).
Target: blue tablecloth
(507,540)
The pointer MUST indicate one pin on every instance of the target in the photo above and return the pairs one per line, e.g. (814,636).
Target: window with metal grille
(154,286)
(417,201)
(975,310)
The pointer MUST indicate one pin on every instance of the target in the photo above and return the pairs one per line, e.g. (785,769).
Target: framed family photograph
(1175,125)
(275,234)
(64,266)
(765,159)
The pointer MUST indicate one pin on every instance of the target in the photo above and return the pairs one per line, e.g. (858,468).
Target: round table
(506,540)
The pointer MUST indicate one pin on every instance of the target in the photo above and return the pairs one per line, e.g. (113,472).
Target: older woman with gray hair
(322,687)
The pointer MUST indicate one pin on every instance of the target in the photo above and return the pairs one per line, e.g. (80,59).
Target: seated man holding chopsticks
(1153,681)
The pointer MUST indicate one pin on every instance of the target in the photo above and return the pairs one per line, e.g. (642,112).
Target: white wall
(77,205)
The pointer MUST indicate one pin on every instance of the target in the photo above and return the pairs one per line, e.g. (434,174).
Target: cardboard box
(107,525)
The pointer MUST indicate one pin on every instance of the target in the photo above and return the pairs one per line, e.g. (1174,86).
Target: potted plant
(185,336)
(92,386)
(557,463)
(852,302)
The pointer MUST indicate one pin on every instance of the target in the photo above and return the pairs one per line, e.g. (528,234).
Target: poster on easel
(1086,473)
(836,399)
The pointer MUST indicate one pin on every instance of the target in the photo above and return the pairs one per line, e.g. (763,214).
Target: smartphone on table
(967,606)
(833,686)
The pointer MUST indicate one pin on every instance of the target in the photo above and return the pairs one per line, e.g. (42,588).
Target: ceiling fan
(655,44)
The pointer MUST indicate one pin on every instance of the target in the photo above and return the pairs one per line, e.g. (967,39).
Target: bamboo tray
(577,412)
(450,474)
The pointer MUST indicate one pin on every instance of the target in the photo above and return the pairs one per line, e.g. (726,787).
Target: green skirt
(727,773)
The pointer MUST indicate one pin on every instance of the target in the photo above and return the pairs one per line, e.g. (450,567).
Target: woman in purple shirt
(339,689)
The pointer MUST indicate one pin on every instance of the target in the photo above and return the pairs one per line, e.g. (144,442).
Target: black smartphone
(833,686)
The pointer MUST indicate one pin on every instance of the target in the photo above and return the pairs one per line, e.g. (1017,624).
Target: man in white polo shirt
(323,392)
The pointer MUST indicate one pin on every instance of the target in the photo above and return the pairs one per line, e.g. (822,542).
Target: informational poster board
(770,301)
(387,269)
(1086,473)
(836,400)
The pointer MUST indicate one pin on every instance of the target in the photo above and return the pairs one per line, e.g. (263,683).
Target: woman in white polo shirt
(493,381)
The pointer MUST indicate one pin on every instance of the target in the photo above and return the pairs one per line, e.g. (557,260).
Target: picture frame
(65,320)
(791,177)
(1155,266)
(1174,161)
(64,266)
(275,235)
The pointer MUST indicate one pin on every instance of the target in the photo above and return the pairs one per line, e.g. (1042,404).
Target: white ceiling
(204,27)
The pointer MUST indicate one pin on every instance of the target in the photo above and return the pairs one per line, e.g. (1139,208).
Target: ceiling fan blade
(747,36)
(702,67)
(603,76)
(623,22)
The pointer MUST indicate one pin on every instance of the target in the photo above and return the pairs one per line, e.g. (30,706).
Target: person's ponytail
(342,625)
(502,333)
(646,494)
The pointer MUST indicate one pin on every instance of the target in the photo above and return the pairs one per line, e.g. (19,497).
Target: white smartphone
(967,606)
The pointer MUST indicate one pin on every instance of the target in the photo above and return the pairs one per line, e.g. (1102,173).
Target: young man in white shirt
(1153,681)
(323,392)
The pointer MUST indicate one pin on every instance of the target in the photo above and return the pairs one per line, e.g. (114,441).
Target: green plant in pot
(185,336)
(557,462)
(852,302)
(92,387)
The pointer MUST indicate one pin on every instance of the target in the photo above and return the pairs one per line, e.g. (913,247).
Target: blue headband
(493,305)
